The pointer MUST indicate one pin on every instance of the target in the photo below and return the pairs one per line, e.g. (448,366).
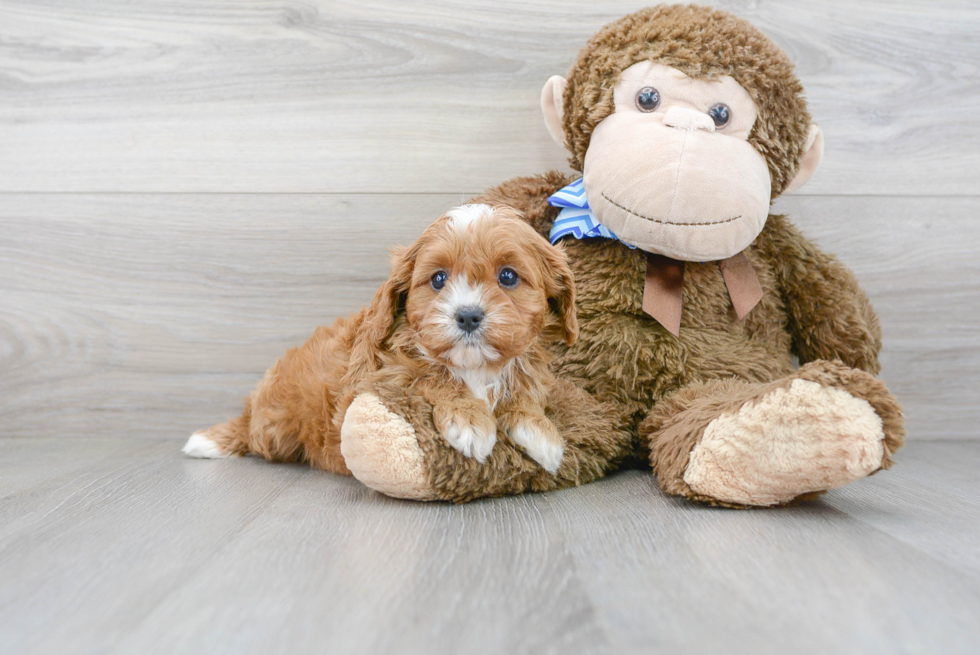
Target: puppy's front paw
(472,435)
(541,440)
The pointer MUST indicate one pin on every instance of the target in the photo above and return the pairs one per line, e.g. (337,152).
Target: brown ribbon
(662,291)
(662,297)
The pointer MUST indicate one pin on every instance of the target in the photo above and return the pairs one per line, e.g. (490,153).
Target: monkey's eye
(439,280)
(647,99)
(720,114)
(508,278)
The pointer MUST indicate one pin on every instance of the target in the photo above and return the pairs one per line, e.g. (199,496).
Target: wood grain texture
(154,315)
(157,553)
(146,551)
(385,96)
(943,513)
(808,578)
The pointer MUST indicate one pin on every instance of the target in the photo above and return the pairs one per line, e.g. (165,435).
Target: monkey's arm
(830,316)
(529,195)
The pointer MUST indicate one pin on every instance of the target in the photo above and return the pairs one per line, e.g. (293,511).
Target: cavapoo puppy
(465,317)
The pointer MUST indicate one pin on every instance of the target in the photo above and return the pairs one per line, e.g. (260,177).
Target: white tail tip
(200,446)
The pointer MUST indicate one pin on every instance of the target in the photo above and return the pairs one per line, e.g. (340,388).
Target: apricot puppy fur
(465,318)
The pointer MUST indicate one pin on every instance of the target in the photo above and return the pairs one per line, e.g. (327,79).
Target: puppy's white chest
(484,384)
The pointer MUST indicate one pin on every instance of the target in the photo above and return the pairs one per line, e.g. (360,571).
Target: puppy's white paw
(544,448)
(200,446)
(469,439)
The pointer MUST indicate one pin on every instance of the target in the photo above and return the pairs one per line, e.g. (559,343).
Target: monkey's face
(671,170)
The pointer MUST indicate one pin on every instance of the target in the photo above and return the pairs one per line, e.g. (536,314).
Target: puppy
(465,319)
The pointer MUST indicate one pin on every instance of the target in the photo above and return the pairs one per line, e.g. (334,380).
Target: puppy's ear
(379,317)
(561,290)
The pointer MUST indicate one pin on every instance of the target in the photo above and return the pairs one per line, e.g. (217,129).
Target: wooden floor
(124,545)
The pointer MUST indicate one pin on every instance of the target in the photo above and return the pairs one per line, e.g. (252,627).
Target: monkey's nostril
(468,318)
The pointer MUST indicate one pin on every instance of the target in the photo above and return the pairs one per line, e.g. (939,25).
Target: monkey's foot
(751,444)
(799,439)
(382,451)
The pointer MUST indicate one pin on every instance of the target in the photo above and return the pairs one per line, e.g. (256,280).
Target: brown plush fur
(703,43)
(812,308)
(402,339)
(596,438)
(641,390)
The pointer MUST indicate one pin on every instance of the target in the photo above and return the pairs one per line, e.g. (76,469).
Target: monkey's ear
(553,107)
(811,160)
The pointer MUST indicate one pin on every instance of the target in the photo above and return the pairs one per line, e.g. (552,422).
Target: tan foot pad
(381,450)
(795,440)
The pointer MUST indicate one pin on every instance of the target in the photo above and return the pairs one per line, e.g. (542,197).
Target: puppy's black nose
(468,318)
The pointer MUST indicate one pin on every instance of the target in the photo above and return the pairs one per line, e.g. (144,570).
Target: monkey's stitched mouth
(662,222)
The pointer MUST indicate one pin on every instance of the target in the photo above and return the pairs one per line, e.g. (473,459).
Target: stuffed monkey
(683,124)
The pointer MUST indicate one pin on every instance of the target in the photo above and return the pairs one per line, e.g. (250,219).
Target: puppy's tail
(229,439)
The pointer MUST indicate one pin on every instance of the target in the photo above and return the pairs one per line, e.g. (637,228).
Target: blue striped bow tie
(576,217)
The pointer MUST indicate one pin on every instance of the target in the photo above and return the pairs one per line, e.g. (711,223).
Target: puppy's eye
(508,278)
(439,280)
(720,114)
(647,99)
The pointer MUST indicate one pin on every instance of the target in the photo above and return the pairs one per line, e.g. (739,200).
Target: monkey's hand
(830,315)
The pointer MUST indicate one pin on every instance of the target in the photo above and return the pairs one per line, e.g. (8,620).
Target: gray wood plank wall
(189,187)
